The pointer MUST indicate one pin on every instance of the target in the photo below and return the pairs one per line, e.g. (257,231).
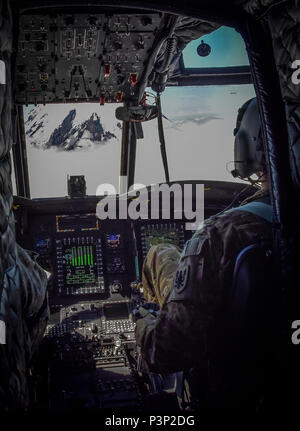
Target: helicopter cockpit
(115,110)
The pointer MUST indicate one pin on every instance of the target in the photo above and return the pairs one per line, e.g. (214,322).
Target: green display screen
(80,265)
(154,237)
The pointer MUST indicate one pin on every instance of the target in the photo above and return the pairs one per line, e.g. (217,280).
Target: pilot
(24,306)
(191,287)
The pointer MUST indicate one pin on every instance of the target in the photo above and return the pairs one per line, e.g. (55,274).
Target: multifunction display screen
(76,222)
(161,233)
(154,237)
(80,267)
(116,311)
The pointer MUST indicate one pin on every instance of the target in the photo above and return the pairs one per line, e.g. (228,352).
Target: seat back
(242,351)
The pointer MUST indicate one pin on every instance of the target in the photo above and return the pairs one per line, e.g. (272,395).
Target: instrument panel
(96,277)
(87,256)
(102,259)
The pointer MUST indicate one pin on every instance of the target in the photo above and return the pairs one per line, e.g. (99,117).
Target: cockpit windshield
(198,126)
(69,139)
(85,139)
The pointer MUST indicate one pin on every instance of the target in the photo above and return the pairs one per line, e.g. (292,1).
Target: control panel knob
(116,287)
(140,43)
(117,346)
(94,328)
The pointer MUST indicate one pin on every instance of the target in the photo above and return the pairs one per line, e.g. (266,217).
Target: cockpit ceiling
(106,58)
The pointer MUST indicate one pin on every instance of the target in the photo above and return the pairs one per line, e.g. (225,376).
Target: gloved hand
(144,310)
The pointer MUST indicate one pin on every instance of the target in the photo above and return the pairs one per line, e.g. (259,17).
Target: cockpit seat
(242,356)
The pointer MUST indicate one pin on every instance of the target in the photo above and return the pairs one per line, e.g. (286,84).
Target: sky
(199,132)
(199,140)
(227,49)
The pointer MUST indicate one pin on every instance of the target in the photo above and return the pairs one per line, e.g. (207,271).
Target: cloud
(198,119)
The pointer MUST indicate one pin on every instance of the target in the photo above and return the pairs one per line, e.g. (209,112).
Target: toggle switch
(107,70)
(133,78)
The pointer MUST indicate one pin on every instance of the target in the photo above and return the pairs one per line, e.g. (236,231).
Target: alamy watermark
(296,333)
(296,73)
(2,332)
(159,201)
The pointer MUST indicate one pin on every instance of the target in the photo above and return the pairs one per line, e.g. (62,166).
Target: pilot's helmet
(249,155)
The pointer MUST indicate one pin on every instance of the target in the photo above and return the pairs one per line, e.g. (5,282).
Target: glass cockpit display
(154,237)
(154,234)
(116,311)
(80,267)
(68,223)
(79,255)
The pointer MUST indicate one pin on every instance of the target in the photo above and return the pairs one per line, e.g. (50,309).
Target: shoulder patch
(194,246)
(182,279)
(185,284)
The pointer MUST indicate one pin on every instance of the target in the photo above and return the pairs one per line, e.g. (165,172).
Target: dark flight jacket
(191,288)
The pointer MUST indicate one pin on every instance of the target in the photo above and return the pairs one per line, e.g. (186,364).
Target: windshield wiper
(162,139)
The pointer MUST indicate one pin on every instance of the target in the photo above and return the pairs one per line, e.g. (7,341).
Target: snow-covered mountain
(71,127)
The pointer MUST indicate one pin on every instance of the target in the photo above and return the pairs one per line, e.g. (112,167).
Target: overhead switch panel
(82,57)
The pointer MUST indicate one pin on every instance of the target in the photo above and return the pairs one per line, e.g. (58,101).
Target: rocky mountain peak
(69,129)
